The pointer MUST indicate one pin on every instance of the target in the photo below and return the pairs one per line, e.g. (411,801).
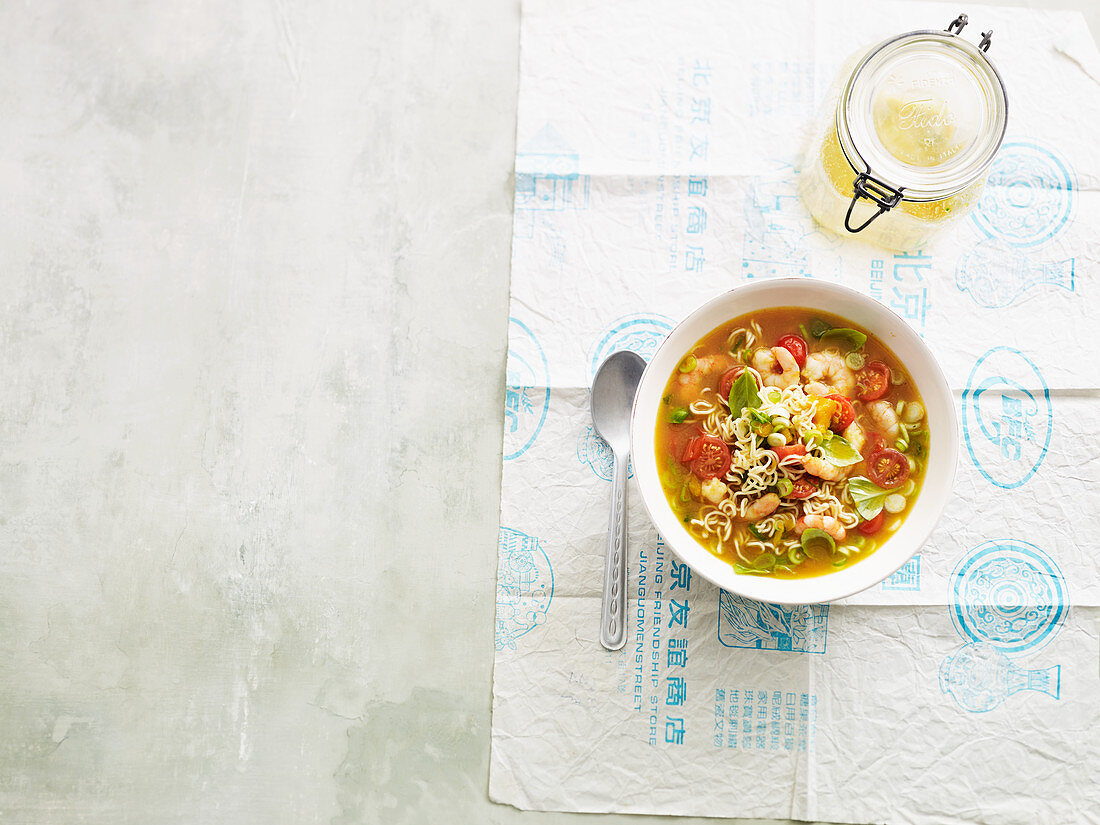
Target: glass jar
(917,124)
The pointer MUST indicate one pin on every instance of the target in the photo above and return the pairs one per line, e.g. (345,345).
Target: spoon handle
(613,618)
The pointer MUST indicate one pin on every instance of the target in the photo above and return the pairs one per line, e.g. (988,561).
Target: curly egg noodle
(755,469)
(791,442)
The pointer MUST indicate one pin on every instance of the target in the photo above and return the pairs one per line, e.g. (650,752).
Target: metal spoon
(613,391)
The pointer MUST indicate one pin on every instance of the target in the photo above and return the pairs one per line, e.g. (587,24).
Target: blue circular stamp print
(525,586)
(594,451)
(1029,197)
(638,333)
(526,391)
(1007,417)
(1010,595)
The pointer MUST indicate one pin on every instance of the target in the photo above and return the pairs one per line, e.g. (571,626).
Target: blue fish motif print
(979,678)
(995,275)
(762,626)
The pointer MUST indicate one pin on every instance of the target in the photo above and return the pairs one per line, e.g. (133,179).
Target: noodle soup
(791,443)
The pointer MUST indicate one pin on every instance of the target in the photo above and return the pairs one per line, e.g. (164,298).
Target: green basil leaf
(743,394)
(853,337)
(819,327)
(867,496)
(840,453)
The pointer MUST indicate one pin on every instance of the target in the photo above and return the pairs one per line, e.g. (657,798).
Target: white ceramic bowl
(923,371)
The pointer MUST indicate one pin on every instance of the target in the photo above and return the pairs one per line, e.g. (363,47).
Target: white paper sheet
(658,147)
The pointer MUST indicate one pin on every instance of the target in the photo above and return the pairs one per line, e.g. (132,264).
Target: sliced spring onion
(689,364)
(855,360)
(684,494)
(908,488)
(897,377)
(765,561)
(758,417)
(843,560)
(746,355)
(758,534)
(899,407)
(777,440)
(902,443)
(817,544)
(679,415)
(773,395)
(914,412)
(796,555)
(858,542)
(853,337)
(894,503)
(784,487)
(819,327)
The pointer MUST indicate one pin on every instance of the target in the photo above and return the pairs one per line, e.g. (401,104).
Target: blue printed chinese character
(681,576)
(677,652)
(678,613)
(697,220)
(697,186)
(700,148)
(693,259)
(677,691)
(700,110)
(674,730)
(701,74)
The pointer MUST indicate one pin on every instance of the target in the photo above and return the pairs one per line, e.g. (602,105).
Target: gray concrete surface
(255,269)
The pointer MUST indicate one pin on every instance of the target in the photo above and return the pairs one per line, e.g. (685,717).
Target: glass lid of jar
(924,113)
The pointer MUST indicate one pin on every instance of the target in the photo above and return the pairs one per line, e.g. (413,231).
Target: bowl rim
(944,448)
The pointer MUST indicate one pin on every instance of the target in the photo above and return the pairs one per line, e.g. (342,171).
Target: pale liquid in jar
(918,132)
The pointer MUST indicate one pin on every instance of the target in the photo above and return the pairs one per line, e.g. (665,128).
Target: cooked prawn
(855,436)
(776,366)
(825,470)
(827,523)
(714,490)
(762,507)
(827,373)
(885,417)
(706,368)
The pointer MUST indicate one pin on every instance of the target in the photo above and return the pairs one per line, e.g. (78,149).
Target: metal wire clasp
(865,186)
(958,24)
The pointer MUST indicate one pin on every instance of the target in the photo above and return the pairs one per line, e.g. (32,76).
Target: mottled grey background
(255,282)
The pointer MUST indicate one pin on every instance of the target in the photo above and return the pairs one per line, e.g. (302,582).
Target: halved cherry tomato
(888,468)
(875,443)
(796,346)
(803,488)
(872,526)
(691,449)
(713,460)
(873,381)
(727,379)
(788,450)
(845,413)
